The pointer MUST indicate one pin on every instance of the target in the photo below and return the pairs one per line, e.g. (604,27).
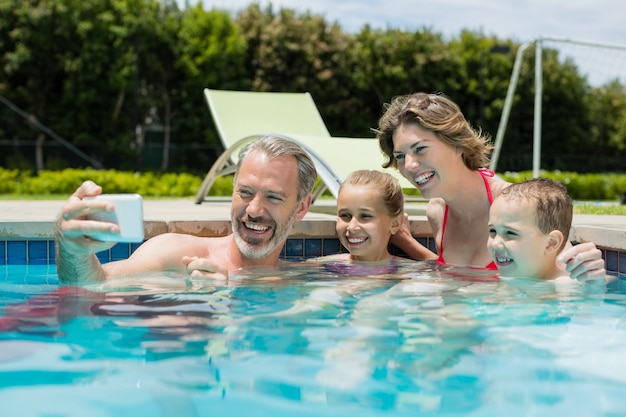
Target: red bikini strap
(484,172)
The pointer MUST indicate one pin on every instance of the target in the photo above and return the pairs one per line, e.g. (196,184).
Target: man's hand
(583,262)
(73,229)
(204,268)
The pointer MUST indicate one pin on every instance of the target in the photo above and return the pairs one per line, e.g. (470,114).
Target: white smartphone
(128,214)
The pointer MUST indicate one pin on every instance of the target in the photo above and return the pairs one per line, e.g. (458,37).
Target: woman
(427,138)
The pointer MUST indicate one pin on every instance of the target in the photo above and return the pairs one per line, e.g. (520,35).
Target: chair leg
(224,165)
(318,192)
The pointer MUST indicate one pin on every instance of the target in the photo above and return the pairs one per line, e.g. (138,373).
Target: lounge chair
(243,116)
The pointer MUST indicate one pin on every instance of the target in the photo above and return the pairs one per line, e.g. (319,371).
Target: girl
(370,206)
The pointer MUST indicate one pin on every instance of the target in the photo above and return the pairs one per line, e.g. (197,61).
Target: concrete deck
(27,219)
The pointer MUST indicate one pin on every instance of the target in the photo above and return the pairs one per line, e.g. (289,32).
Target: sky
(521,20)
(593,21)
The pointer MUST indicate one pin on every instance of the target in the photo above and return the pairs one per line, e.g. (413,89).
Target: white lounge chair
(243,116)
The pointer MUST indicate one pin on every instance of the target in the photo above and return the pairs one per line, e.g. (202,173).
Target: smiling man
(272,190)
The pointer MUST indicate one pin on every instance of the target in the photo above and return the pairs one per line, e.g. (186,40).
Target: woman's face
(423,158)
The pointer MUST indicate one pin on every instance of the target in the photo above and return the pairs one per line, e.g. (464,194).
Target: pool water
(311,341)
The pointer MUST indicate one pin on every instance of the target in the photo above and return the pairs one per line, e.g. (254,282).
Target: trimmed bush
(65,181)
(610,186)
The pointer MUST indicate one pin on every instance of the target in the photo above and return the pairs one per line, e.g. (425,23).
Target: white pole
(538,97)
(508,103)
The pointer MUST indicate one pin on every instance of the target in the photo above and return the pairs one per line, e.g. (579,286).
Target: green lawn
(580,207)
(48,197)
(594,207)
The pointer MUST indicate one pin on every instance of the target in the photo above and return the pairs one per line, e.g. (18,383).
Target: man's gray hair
(274,146)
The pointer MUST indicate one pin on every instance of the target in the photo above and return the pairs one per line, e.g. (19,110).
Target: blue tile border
(313,247)
(16,252)
(21,252)
(120,251)
(331,246)
(621,263)
(294,248)
(38,252)
(611,260)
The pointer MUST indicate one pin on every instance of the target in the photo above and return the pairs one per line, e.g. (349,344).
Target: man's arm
(77,268)
(75,249)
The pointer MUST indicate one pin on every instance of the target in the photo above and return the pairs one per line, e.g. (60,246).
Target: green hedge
(150,184)
(64,182)
(580,186)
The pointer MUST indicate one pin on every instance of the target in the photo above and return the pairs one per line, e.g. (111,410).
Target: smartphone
(128,214)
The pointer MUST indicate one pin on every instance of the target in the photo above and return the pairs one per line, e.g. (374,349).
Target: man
(272,190)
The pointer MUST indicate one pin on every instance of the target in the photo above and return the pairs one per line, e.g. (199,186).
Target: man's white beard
(253,251)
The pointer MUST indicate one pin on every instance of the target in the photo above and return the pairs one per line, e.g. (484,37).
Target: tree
(210,53)
(107,74)
(155,39)
(291,52)
(607,115)
(384,64)
(66,63)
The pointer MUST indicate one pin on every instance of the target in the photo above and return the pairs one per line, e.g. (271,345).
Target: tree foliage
(122,80)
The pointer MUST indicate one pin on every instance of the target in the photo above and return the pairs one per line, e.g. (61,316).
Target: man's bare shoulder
(184,237)
(181,242)
(165,252)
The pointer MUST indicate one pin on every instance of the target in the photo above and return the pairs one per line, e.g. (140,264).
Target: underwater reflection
(420,339)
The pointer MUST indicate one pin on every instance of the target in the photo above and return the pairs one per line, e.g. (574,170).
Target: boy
(529,225)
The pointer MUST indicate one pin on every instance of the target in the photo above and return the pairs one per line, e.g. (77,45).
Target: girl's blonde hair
(387,185)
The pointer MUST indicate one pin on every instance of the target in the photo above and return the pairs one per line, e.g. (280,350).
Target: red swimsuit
(484,173)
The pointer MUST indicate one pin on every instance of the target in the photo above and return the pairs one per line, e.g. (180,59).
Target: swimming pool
(308,342)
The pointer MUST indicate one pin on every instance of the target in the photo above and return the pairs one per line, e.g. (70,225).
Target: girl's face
(423,158)
(363,225)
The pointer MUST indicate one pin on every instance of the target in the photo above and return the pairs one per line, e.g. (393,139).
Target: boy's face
(515,243)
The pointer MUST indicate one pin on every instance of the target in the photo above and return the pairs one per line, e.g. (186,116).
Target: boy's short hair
(553,206)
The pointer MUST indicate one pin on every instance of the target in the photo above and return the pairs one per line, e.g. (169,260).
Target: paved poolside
(185,216)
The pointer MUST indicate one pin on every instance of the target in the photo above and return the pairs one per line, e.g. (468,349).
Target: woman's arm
(404,240)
